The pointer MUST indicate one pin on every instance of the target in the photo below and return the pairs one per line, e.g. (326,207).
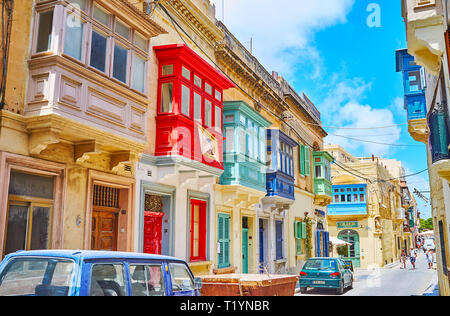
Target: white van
(429,244)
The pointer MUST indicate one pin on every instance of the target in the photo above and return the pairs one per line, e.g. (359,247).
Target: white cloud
(345,107)
(283,30)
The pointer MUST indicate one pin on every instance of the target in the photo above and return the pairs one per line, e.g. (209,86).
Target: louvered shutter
(303,230)
(307,161)
(279,239)
(302,159)
(224,240)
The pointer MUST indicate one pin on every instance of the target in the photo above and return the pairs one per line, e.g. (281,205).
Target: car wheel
(340,290)
(303,290)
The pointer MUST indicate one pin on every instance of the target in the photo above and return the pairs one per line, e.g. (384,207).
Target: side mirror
(198,283)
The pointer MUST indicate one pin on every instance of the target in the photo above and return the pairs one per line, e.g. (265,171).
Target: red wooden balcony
(190,106)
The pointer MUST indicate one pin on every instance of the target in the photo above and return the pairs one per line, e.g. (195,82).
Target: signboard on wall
(347,224)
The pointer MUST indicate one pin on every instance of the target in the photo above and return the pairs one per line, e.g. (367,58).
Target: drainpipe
(7,7)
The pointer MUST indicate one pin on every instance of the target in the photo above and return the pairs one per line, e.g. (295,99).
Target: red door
(198,230)
(153,232)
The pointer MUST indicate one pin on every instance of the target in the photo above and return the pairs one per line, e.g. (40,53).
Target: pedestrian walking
(403,259)
(413,257)
(429,255)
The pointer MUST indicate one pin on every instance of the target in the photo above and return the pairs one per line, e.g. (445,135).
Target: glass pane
(186,73)
(167,70)
(80,4)
(44,32)
(25,276)
(229,134)
(101,16)
(218,117)
(197,108)
(107,280)
(139,73)
(208,88)
(120,63)
(98,51)
(185,100)
(31,185)
(147,280)
(123,30)
(218,95)
(40,228)
(166,97)
(181,278)
(74,37)
(208,114)
(16,231)
(140,42)
(197,81)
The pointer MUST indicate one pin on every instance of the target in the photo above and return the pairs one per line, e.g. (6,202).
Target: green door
(224,240)
(353,252)
(244,250)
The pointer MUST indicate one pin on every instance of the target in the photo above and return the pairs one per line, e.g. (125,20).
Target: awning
(338,242)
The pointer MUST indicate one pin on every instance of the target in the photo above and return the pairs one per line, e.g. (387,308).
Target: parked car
(95,273)
(326,273)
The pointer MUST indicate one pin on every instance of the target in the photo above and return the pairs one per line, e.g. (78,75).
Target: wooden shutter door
(224,240)
(307,161)
(279,239)
(198,230)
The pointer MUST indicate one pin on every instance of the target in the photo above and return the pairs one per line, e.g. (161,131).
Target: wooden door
(104,229)
(244,250)
(153,232)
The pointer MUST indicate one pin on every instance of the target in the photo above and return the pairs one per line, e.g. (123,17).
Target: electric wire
(378,143)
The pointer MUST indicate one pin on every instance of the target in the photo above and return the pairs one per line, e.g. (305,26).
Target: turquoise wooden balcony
(322,178)
(244,146)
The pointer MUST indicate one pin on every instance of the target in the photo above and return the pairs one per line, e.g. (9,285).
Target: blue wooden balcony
(349,199)
(280,162)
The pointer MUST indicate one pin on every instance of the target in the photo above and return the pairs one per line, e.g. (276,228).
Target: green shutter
(303,230)
(302,159)
(224,240)
(307,161)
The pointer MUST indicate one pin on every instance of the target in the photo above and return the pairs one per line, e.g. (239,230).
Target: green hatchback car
(326,273)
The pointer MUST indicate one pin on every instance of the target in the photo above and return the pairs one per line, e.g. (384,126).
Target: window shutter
(224,240)
(307,161)
(279,240)
(302,159)
(303,230)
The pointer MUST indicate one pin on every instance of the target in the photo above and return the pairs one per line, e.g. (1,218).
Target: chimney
(275,75)
(373,157)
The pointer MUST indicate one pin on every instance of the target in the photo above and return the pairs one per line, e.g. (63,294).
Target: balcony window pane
(123,30)
(197,108)
(185,100)
(318,171)
(242,142)
(218,116)
(186,73)
(98,51)
(80,4)
(44,37)
(166,97)
(208,114)
(208,88)
(229,134)
(74,37)
(197,81)
(101,16)
(140,42)
(218,96)
(167,70)
(120,63)
(139,72)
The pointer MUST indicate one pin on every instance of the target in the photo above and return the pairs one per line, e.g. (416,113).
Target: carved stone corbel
(40,139)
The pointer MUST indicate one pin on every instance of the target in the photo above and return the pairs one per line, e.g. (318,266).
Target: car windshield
(37,277)
(320,264)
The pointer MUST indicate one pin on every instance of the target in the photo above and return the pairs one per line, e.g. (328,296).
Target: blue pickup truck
(95,273)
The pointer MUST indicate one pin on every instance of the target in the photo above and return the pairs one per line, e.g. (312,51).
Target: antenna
(223,11)
(251,45)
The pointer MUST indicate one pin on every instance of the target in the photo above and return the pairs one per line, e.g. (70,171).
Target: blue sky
(326,49)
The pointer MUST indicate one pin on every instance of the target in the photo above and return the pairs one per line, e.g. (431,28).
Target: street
(391,280)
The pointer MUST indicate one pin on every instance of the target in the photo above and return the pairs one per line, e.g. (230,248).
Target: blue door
(244,250)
